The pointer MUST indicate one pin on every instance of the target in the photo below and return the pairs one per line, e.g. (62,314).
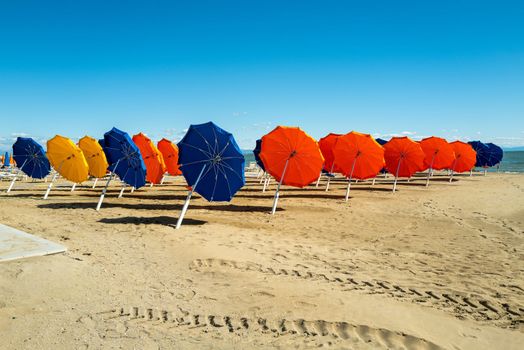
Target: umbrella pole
(162,180)
(262,177)
(94,184)
(485,171)
(122,190)
(373,183)
(105,188)
(471,172)
(266,182)
(132,189)
(186,204)
(52,180)
(430,170)
(150,184)
(329,177)
(73,187)
(14,178)
(452,167)
(277,193)
(350,176)
(318,180)
(396,175)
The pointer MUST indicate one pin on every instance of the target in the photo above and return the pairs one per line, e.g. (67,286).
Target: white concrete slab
(16,244)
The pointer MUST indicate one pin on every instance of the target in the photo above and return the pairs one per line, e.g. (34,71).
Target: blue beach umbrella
(124,160)
(212,164)
(7,160)
(380,141)
(31,159)
(256,153)
(495,154)
(483,154)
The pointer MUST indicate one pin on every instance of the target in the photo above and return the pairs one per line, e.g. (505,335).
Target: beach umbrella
(212,164)
(465,158)
(256,153)
(155,166)
(170,154)
(124,160)
(32,158)
(7,160)
(483,154)
(403,157)
(292,157)
(358,156)
(495,154)
(380,141)
(326,145)
(67,159)
(438,154)
(95,156)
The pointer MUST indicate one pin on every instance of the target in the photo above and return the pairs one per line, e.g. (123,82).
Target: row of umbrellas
(212,164)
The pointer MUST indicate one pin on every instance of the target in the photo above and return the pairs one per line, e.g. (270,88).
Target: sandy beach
(424,268)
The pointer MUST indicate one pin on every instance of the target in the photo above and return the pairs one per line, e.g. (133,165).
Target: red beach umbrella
(438,154)
(403,157)
(292,157)
(358,156)
(465,157)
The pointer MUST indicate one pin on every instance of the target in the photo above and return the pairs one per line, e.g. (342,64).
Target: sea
(513,162)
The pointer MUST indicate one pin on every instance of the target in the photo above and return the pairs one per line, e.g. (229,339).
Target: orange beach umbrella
(327,144)
(170,154)
(292,157)
(358,156)
(438,154)
(403,157)
(155,166)
(465,157)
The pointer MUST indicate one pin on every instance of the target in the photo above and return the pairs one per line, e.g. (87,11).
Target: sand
(424,268)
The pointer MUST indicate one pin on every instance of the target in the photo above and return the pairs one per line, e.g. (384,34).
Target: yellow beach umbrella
(95,156)
(67,159)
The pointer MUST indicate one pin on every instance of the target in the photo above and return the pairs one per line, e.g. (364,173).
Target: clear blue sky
(449,68)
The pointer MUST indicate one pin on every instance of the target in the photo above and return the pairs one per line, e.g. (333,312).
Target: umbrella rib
(223,172)
(207,154)
(209,148)
(227,166)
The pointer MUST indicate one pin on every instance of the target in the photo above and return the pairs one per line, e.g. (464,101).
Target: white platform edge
(45,247)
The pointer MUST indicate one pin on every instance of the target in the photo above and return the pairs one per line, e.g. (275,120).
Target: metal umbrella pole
(186,204)
(105,188)
(430,168)
(396,175)
(14,178)
(277,193)
(452,168)
(94,184)
(53,180)
(329,177)
(350,176)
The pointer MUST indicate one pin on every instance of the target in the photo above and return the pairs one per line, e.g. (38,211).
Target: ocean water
(513,161)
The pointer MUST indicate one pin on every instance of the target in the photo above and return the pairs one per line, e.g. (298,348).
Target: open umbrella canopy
(358,156)
(7,159)
(403,156)
(465,157)
(380,141)
(31,158)
(155,166)
(67,159)
(170,154)
(124,158)
(483,154)
(95,156)
(439,153)
(211,156)
(292,150)
(495,153)
(256,153)
(326,145)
